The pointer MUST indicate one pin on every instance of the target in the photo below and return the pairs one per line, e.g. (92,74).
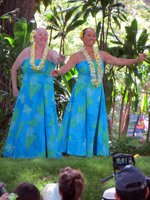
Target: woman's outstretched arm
(109,59)
(65,68)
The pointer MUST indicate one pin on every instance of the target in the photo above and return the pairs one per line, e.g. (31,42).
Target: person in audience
(4,196)
(131,184)
(51,192)
(27,191)
(3,193)
(70,186)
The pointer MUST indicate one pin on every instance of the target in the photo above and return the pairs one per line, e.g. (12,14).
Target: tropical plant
(129,145)
(104,14)
(61,22)
(127,85)
(9,50)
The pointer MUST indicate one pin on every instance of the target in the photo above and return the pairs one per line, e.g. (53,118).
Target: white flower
(13,196)
(32,60)
(96,74)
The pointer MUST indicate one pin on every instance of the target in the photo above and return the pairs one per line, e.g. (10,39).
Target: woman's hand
(55,57)
(142,57)
(15,92)
(61,58)
(4,196)
(55,73)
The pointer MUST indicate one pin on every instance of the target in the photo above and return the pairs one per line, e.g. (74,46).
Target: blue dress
(34,125)
(84,129)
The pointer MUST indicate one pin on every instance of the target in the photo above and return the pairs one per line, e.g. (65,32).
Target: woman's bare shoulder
(77,56)
(52,54)
(25,53)
(26,50)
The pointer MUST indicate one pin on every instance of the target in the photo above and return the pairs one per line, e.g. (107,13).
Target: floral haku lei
(32,60)
(96,74)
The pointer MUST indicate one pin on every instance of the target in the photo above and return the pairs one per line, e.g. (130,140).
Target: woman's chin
(42,44)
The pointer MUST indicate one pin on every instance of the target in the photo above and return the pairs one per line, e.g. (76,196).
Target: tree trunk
(121,113)
(148,131)
(113,108)
(125,120)
(136,123)
(16,9)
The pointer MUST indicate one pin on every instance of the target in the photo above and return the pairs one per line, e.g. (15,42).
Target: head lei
(83,32)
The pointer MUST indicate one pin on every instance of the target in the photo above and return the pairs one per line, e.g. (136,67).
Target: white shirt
(51,192)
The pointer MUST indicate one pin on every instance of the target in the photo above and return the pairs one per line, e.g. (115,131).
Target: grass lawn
(43,171)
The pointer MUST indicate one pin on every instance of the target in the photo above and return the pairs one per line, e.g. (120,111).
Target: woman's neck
(39,48)
(89,49)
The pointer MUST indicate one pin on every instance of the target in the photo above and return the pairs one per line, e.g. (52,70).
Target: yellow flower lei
(32,36)
(96,74)
(32,60)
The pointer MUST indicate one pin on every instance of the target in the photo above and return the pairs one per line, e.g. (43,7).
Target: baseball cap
(130,179)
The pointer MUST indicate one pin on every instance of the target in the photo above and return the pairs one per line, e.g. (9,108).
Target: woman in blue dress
(84,130)
(34,125)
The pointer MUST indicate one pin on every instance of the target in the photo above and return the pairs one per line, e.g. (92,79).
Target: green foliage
(62,96)
(63,20)
(3,135)
(132,45)
(63,88)
(145,149)
(144,103)
(45,2)
(142,39)
(131,34)
(108,92)
(109,11)
(130,145)
(9,50)
(22,31)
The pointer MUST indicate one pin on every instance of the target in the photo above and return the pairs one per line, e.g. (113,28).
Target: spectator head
(148,184)
(71,184)
(2,188)
(131,184)
(27,191)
